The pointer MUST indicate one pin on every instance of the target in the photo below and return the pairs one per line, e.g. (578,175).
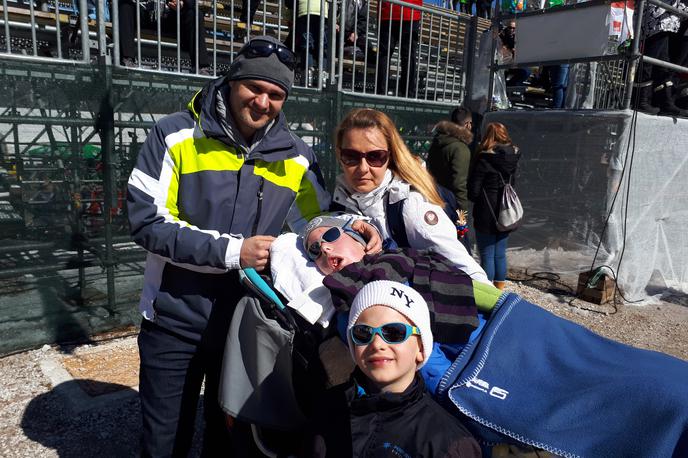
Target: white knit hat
(401,298)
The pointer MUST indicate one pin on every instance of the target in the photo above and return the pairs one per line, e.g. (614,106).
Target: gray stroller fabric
(256,382)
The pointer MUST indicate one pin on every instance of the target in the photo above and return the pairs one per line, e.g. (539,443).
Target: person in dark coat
(384,410)
(495,165)
(449,158)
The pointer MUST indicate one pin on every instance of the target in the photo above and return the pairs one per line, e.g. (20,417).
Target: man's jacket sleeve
(312,199)
(154,215)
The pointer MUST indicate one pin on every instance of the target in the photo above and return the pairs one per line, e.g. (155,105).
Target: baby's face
(391,367)
(335,255)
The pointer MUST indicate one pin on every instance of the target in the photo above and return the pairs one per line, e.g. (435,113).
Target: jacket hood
(504,158)
(208,105)
(450,131)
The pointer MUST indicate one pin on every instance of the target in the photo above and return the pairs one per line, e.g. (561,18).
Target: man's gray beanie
(268,68)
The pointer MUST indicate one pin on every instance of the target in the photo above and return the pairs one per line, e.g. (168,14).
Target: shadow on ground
(108,429)
(104,426)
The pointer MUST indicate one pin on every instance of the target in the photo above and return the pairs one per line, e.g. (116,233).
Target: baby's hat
(401,298)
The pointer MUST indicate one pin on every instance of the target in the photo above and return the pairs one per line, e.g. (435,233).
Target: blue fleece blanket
(550,383)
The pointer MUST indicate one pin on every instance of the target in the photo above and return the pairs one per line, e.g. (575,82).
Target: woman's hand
(370,233)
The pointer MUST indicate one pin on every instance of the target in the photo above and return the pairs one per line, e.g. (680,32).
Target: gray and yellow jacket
(198,189)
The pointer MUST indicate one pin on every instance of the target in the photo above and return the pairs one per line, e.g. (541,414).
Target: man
(398,26)
(663,35)
(211,188)
(449,157)
(188,39)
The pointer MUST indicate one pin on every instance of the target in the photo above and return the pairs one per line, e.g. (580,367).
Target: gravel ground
(37,421)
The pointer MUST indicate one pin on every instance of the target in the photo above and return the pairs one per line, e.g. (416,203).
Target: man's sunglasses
(331,235)
(392,333)
(262,48)
(352,157)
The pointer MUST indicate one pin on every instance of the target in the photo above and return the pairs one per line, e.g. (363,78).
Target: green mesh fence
(69,136)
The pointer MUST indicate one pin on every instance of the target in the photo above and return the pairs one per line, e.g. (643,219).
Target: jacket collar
(454,130)
(363,401)
(393,187)
(210,108)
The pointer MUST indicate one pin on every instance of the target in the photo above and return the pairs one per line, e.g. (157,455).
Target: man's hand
(255,252)
(173,4)
(370,233)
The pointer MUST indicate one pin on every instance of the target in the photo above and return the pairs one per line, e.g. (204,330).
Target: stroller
(271,370)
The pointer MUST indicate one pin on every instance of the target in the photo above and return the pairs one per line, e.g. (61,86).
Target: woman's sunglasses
(262,48)
(352,157)
(331,235)
(392,333)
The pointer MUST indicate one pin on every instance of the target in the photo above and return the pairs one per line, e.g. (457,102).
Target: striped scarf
(447,290)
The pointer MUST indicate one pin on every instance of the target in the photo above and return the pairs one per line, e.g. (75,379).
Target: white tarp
(574,165)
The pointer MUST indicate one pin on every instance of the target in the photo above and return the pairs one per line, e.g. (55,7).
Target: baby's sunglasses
(351,157)
(331,235)
(392,333)
(263,48)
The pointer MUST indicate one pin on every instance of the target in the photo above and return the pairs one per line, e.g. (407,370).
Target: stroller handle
(258,281)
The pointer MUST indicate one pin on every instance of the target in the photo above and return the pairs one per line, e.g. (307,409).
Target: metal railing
(423,58)
(613,74)
(46,31)
(428,57)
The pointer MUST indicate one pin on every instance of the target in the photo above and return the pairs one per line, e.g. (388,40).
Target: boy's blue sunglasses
(392,333)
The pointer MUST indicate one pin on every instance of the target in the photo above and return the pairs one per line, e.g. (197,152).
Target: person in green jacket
(449,157)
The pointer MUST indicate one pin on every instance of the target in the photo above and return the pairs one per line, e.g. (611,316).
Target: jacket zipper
(260,205)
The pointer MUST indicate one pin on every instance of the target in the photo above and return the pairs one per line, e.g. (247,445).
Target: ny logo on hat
(399,293)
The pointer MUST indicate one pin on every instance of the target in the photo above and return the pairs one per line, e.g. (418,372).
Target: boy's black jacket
(408,424)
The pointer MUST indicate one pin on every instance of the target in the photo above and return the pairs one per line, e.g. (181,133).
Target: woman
(495,165)
(378,172)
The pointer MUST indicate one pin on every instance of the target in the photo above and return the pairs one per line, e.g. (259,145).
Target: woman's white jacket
(427,225)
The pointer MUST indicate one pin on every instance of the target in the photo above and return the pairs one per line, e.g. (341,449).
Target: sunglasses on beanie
(392,333)
(262,48)
(351,157)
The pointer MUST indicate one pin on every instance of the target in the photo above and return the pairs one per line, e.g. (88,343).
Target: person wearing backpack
(495,168)
(383,181)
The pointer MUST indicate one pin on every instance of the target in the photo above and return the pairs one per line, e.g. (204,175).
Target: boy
(384,410)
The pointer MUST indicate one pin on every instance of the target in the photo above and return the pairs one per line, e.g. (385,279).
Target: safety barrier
(155,35)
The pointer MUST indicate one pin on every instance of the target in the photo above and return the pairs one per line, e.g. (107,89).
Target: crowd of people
(398,31)
(657,90)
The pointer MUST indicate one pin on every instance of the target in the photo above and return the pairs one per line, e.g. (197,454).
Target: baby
(384,409)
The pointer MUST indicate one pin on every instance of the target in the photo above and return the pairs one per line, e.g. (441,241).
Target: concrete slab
(98,383)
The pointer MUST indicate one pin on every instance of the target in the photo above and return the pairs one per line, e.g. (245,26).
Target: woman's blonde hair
(401,162)
(495,133)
